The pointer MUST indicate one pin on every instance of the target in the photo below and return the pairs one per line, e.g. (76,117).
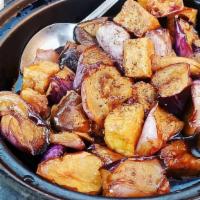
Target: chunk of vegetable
(37,101)
(195,118)
(59,85)
(187,13)
(123,127)
(92,26)
(162,62)
(111,38)
(181,41)
(102,91)
(24,134)
(68,114)
(83,37)
(67,139)
(139,65)
(37,76)
(54,151)
(69,56)
(161,41)
(78,172)
(105,154)
(10,102)
(135,178)
(179,161)
(145,94)
(89,61)
(160,8)
(136,19)
(159,127)
(188,129)
(173,84)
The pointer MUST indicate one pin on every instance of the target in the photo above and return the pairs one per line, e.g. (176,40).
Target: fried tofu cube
(136,19)
(37,76)
(137,58)
(123,127)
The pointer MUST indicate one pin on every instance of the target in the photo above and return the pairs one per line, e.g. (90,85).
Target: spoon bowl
(56,35)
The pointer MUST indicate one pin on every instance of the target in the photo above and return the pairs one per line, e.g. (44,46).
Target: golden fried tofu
(75,171)
(136,19)
(137,58)
(37,76)
(123,127)
(145,94)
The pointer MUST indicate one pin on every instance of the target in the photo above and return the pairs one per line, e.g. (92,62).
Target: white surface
(1,4)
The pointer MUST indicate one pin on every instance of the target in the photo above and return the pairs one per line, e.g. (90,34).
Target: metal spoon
(56,35)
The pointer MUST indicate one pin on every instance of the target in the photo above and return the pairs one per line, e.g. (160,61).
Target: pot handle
(102,9)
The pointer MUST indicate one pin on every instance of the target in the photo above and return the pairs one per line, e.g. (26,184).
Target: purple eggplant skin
(59,88)
(69,58)
(54,151)
(181,46)
(176,104)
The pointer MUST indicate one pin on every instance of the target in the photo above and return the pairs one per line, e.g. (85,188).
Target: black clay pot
(18,22)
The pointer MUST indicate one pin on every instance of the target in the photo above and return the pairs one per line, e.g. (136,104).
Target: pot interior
(17,32)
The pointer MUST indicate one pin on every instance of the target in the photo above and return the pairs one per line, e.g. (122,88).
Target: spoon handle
(102,9)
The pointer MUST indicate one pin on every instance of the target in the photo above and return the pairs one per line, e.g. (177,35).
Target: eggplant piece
(123,127)
(139,65)
(111,38)
(162,62)
(181,41)
(83,37)
(179,160)
(135,178)
(173,84)
(24,134)
(78,172)
(106,155)
(195,117)
(88,62)
(68,114)
(37,76)
(67,139)
(136,19)
(160,8)
(162,41)
(59,85)
(102,91)
(158,128)
(84,136)
(37,101)
(145,94)
(46,55)
(196,50)
(70,55)
(11,102)
(188,129)
(54,151)
(189,14)
(92,26)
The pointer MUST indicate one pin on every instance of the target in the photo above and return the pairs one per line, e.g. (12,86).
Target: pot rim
(13,167)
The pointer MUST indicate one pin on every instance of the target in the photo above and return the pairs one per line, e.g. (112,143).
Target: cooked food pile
(104,113)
